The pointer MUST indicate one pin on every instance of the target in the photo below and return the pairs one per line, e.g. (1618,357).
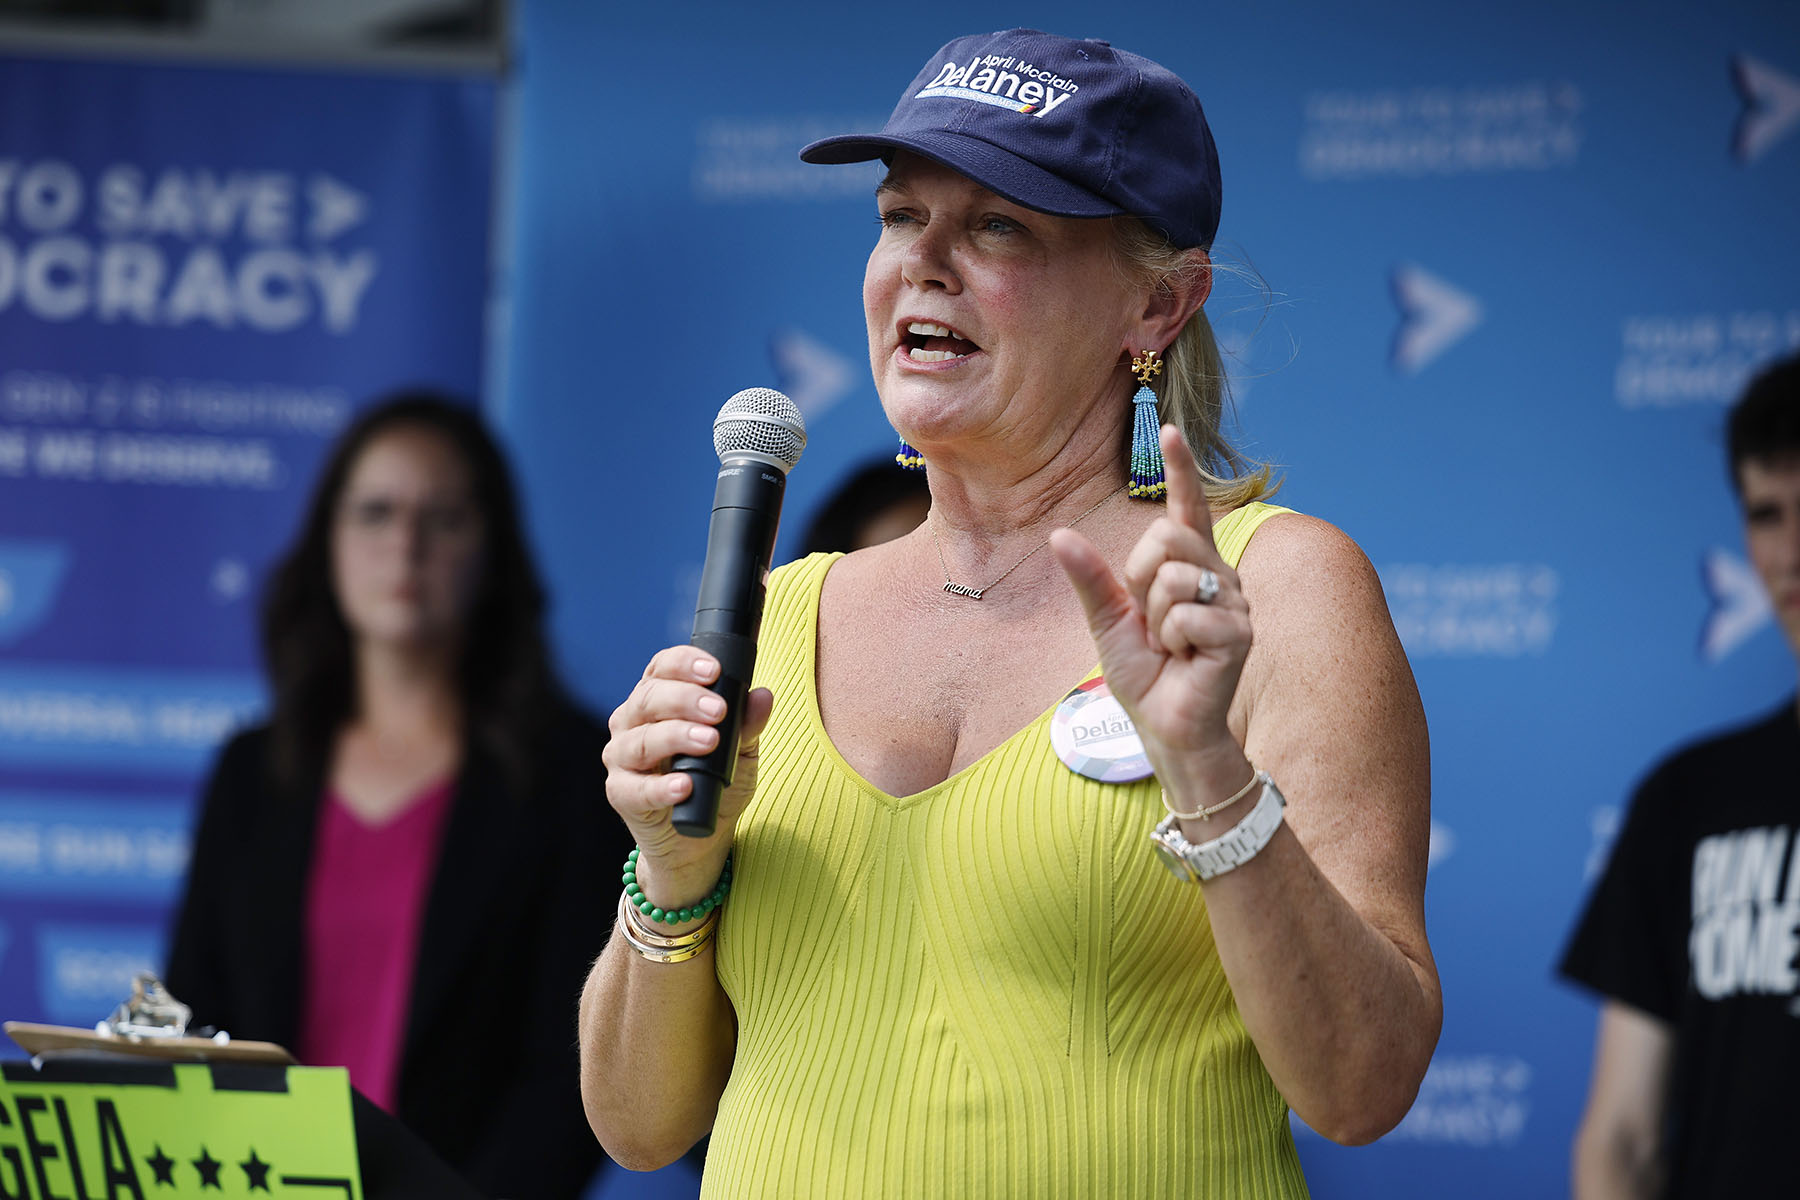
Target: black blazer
(520,904)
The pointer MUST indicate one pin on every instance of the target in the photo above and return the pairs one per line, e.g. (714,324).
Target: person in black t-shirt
(1693,935)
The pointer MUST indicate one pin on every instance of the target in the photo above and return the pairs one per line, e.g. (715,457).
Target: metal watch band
(1233,848)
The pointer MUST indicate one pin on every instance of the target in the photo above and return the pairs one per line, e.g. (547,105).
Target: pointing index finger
(1187,491)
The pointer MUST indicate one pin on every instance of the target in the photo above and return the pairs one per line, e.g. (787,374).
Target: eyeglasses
(378,514)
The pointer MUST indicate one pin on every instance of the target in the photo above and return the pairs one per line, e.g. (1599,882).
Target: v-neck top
(990,987)
(365,901)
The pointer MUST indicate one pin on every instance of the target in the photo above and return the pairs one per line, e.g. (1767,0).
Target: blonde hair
(1193,393)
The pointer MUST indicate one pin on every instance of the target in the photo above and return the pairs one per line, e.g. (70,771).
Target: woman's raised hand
(670,712)
(1170,657)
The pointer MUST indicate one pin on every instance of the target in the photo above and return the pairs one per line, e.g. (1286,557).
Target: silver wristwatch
(1233,848)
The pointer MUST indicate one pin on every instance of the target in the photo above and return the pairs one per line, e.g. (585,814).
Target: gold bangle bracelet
(1206,813)
(660,949)
(665,941)
(650,954)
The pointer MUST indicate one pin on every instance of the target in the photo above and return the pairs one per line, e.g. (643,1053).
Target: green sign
(173,1131)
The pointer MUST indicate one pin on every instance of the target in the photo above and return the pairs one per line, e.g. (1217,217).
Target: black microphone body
(740,544)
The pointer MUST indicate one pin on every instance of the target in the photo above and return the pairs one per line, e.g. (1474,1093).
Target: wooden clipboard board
(56,1040)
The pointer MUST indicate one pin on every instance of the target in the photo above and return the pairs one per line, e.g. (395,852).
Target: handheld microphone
(759,435)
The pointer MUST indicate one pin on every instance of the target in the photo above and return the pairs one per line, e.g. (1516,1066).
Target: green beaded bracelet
(674,916)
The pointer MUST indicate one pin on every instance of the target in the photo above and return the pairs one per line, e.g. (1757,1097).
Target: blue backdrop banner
(204,271)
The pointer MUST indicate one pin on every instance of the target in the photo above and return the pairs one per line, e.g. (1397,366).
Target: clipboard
(60,1040)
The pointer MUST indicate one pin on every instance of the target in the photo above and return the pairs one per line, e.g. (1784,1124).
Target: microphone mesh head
(762,423)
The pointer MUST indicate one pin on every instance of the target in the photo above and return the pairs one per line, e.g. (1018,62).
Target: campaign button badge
(1092,735)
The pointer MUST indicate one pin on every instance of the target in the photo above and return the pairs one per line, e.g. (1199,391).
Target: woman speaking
(933,948)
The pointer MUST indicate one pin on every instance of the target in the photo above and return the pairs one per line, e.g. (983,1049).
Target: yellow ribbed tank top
(989,989)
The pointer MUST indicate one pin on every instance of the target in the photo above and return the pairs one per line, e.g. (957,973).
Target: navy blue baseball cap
(1070,127)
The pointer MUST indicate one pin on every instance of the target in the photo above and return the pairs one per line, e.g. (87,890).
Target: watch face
(1178,866)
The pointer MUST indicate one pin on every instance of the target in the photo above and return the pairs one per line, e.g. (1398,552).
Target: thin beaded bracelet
(1205,813)
(674,916)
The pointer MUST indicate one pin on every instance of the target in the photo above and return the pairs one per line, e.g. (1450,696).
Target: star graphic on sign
(208,1166)
(163,1165)
(256,1171)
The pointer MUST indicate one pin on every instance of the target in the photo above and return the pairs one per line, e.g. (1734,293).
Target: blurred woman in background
(399,872)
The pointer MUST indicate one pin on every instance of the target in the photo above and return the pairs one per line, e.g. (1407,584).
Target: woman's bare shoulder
(1319,612)
(1293,555)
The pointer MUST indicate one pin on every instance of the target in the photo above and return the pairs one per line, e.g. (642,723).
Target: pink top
(365,899)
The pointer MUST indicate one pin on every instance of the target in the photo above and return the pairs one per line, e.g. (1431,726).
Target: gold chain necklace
(976,593)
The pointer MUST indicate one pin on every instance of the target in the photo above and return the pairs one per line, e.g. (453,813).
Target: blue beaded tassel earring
(1146,451)
(909,458)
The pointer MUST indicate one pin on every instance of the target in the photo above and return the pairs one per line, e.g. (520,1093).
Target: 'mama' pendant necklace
(976,593)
